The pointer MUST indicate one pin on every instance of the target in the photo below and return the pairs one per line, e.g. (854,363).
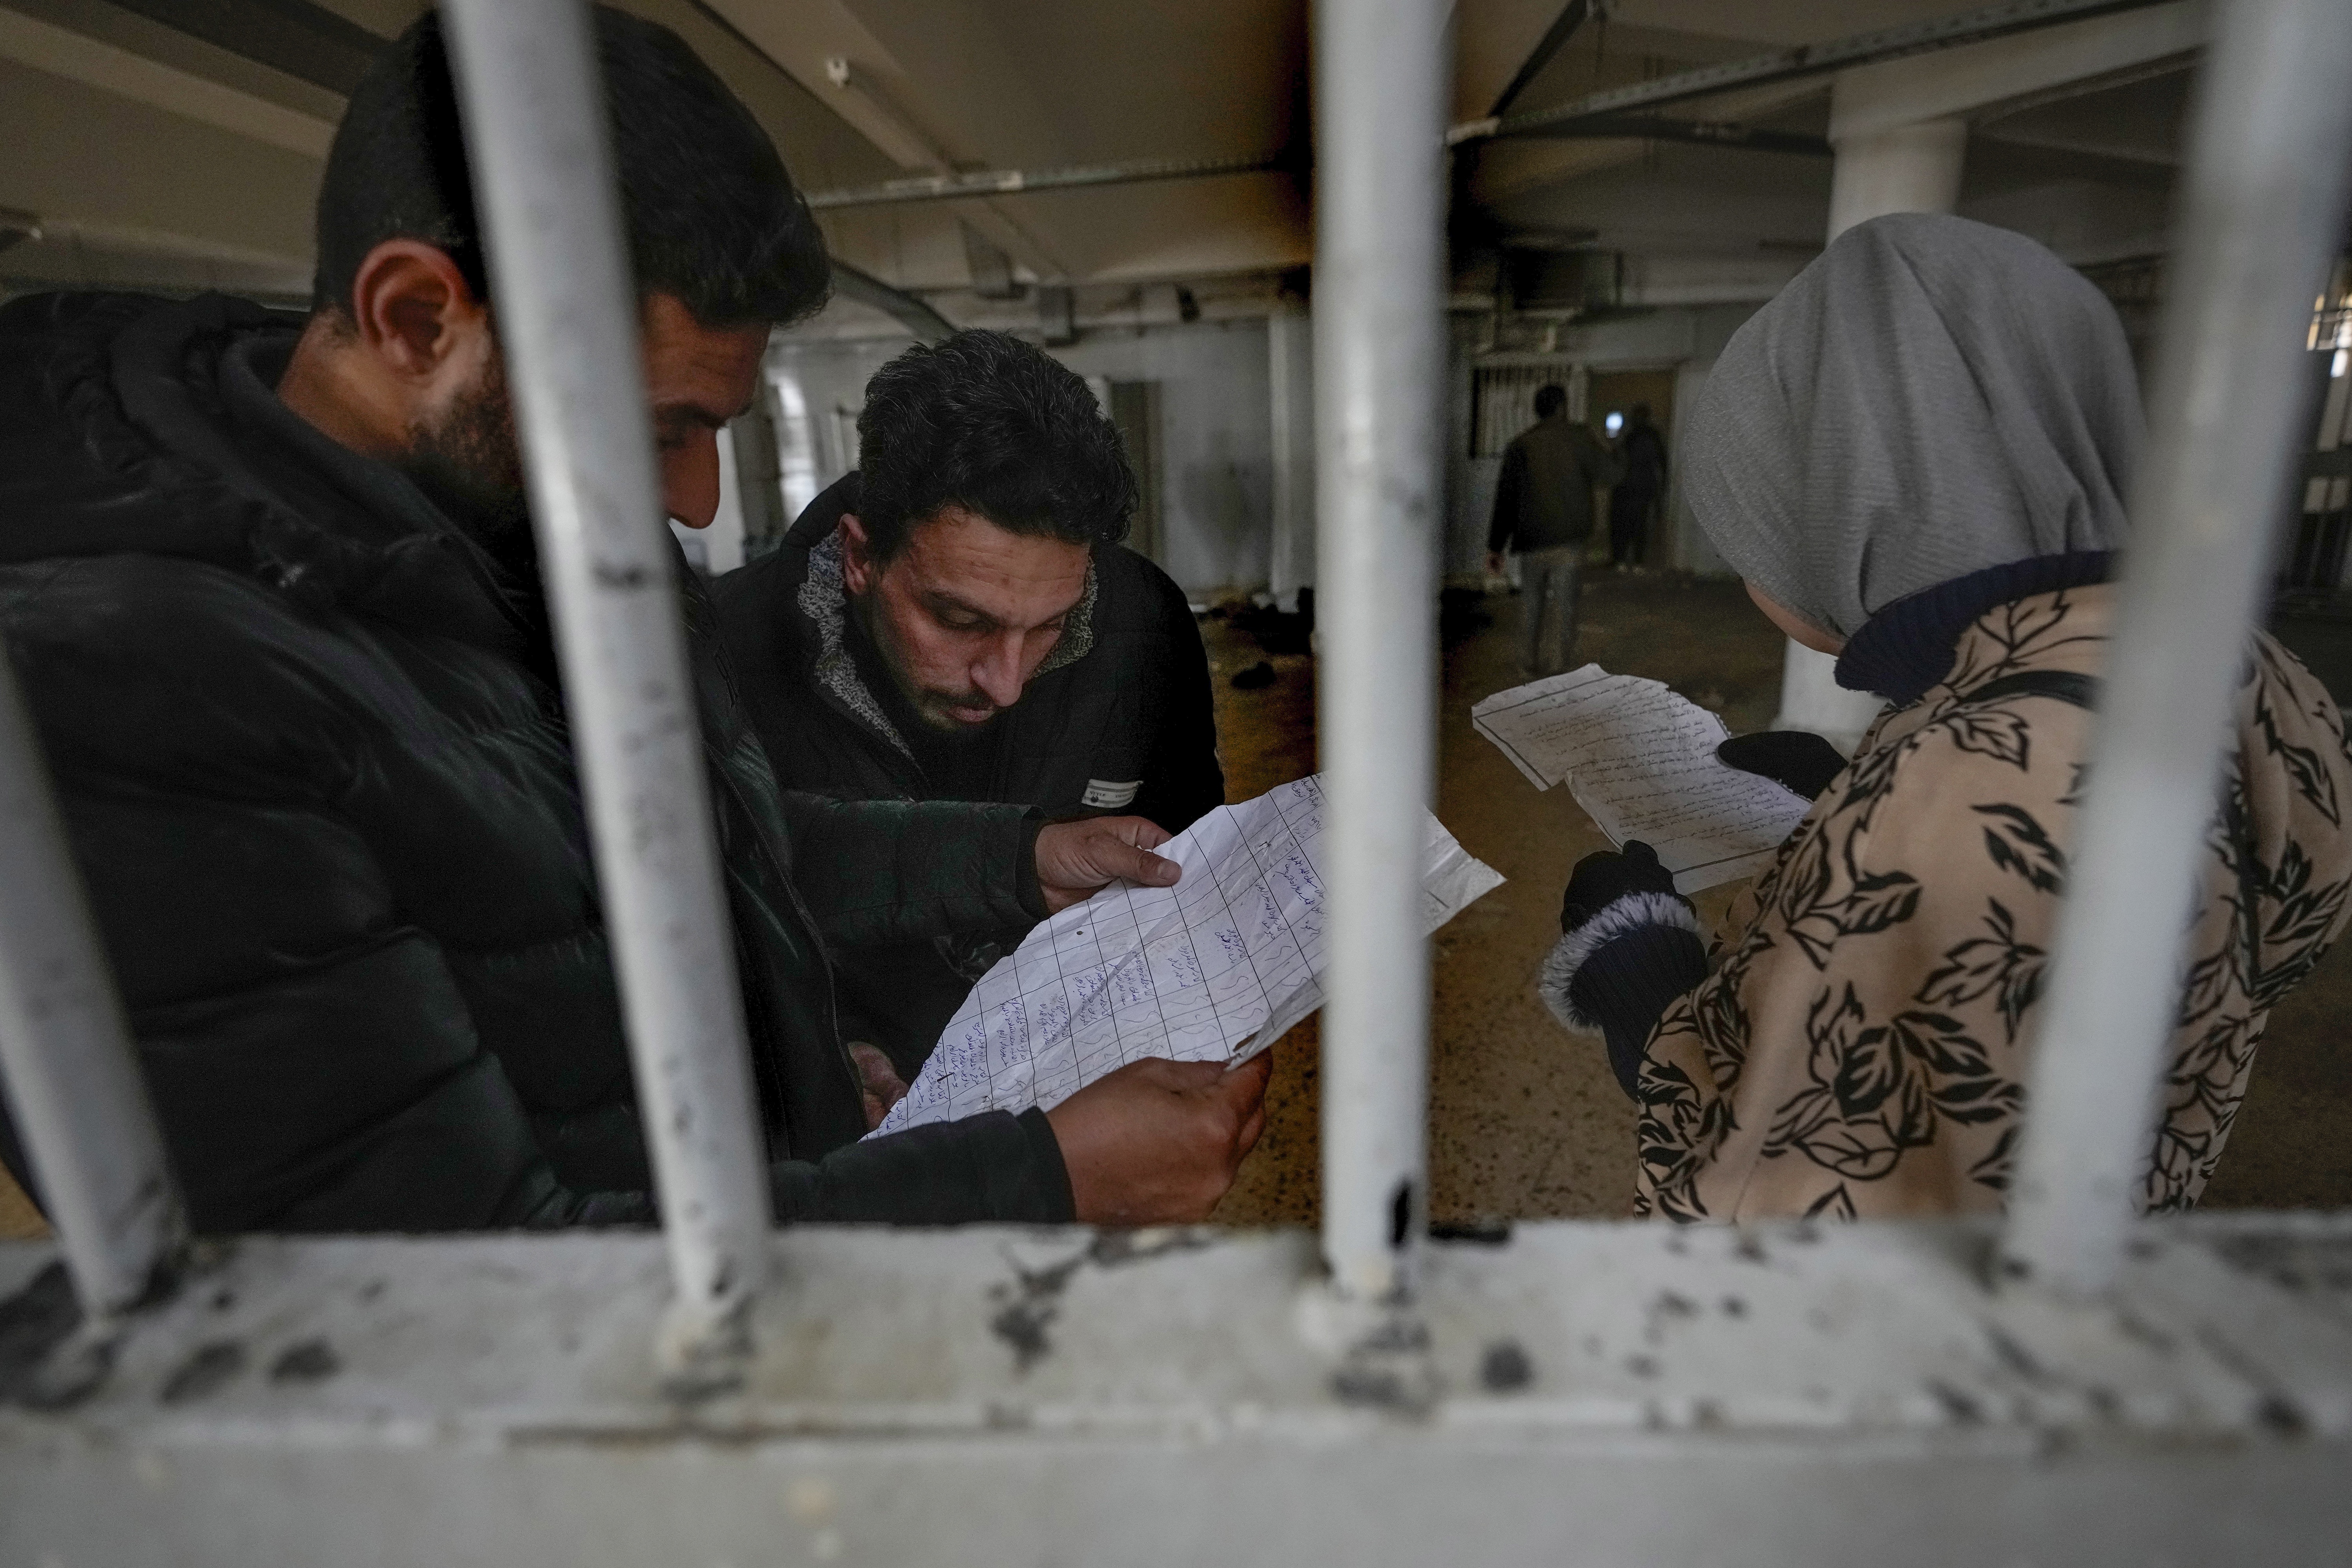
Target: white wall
(1216,442)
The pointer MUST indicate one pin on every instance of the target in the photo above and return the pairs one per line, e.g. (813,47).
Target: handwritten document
(1216,968)
(1641,761)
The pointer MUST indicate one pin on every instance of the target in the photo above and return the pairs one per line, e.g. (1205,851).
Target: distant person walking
(1634,500)
(1543,509)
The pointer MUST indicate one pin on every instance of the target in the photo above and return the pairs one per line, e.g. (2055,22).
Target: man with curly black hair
(958,621)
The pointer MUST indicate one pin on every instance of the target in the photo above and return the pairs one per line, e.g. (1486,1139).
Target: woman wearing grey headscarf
(1917,457)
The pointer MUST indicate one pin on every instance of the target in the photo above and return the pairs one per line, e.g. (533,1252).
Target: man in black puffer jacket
(269,590)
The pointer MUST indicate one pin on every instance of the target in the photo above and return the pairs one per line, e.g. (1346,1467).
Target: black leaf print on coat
(2213,977)
(2306,910)
(1996,961)
(1990,731)
(1719,1015)
(1835,1204)
(1680,1129)
(1866,1102)
(1993,1170)
(2016,843)
(1877,902)
(2304,767)
(1962,1082)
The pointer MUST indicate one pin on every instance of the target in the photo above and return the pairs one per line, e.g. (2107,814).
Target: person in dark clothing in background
(1634,500)
(269,588)
(957,621)
(1543,506)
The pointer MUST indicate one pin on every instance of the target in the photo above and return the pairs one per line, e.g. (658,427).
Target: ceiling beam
(94,63)
(1803,60)
(1563,27)
(296,36)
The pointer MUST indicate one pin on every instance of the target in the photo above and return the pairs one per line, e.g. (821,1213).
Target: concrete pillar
(1905,169)
(1290,366)
(1910,168)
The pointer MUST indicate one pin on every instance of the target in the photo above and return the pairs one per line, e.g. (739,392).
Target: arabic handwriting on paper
(1215,968)
(1640,759)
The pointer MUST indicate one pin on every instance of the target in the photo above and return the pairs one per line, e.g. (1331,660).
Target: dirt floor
(1525,1119)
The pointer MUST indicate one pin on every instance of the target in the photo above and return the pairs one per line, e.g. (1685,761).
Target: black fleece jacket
(1120,719)
(312,759)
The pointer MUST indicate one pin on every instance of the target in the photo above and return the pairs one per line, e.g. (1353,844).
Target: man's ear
(859,570)
(412,308)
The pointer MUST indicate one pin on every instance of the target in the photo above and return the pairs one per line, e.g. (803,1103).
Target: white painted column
(1896,169)
(1290,366)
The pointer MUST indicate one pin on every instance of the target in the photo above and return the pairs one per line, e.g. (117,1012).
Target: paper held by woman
(1641,761)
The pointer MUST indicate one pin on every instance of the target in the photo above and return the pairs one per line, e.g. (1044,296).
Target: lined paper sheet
(1640,759)
(1216,968)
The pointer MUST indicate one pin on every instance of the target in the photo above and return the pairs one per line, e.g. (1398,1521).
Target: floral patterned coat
(1861,1046)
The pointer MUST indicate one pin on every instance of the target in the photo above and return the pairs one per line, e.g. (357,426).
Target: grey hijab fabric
(1932,397)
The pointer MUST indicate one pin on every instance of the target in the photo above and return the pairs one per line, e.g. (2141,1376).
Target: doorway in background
(1613,393)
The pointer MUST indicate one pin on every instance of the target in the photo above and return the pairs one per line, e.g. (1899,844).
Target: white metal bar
(538,143)
(72,1080)
(1383,71)
(2260,216)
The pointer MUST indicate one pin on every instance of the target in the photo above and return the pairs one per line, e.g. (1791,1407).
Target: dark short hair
(1551,400)
(996,425)
(712,216)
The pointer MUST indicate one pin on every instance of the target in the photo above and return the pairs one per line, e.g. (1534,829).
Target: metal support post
(66,1057)
(1382,70)
(538,140)
(2260,214)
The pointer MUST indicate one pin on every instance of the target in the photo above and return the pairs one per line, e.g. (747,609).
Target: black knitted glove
(1628,946)
(1797,760)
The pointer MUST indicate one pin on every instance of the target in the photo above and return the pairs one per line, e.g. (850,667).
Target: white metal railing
(2266,189)
(2260,214)
(538,141)
(1379,379)
(65,1053)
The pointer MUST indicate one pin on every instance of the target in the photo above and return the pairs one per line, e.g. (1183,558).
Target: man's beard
(468,462)
(928,706)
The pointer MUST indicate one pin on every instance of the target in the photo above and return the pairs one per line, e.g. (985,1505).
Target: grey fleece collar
(825,602)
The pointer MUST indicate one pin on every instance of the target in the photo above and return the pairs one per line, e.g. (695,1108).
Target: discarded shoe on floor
(1256,676)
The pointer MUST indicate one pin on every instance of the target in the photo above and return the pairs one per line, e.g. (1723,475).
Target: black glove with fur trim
(1629,945)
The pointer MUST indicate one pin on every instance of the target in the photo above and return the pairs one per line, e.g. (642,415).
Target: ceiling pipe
(1012,182)
(1705,132)
(1804,60)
